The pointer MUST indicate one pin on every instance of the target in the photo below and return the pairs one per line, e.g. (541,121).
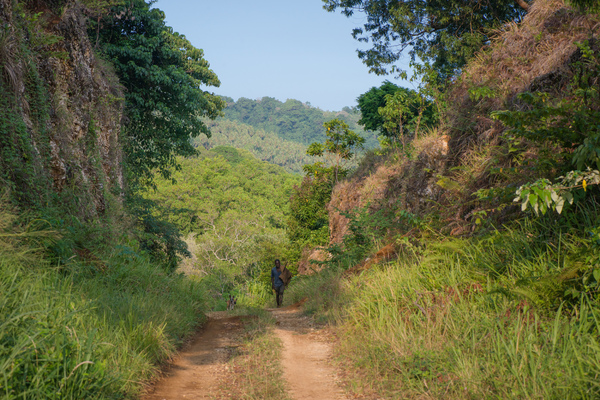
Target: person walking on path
(280,277)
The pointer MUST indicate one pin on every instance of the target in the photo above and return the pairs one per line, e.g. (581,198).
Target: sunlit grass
(75,332)
(477,318)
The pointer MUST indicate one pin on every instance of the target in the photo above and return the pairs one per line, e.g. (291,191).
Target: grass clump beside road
(255,370)
(513,314)
(83,330)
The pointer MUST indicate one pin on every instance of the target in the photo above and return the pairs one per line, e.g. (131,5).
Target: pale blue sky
(278,48)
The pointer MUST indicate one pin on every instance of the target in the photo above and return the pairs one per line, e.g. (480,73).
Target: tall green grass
(76,331)
(475,318)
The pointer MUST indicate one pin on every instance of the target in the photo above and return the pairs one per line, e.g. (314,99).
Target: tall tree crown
(438,34)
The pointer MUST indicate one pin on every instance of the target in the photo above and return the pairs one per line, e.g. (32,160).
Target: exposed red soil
(194,373)
(198,371)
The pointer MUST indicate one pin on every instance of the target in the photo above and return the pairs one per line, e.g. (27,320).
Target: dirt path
(306,356)
(197,372)
(194,373)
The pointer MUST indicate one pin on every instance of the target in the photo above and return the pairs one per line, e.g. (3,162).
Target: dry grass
(11,68)
(399,178)
(533,55)
(519,54)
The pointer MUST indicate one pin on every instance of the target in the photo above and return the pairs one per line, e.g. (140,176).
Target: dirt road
(306,356)
(196,373)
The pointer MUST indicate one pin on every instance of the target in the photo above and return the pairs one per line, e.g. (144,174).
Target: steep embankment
(84,311)
(467,152)
(61,108)
(441,287)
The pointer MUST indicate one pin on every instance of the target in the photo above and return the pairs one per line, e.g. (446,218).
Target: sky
(277,48)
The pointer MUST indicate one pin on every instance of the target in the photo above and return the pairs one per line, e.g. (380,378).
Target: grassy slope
(469,318)
(95,329)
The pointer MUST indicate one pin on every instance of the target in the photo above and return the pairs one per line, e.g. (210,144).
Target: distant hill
(267,146)
(277,132)
(293,120)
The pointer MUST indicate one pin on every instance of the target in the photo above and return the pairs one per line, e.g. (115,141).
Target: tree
(339,148)
(394,115)
(163,74)
(308,223)
(370,102)
(440,34)
(395,111)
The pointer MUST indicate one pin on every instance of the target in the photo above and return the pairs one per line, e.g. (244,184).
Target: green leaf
(568,196)
(560,204)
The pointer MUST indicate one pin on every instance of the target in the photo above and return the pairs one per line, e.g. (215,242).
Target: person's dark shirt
(277,282)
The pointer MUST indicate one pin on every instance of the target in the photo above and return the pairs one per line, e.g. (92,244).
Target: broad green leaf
(560,204)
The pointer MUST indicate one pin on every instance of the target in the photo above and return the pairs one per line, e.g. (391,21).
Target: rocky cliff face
(64,104)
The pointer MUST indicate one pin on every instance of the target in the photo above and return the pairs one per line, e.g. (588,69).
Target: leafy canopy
(230,206)
(339,148)
(441,34)
(308,223)
(393,110)
(163,74)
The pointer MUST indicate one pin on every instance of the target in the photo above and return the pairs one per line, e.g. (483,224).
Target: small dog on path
(231,303)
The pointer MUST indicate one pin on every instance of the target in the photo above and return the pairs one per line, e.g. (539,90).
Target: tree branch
(523,4)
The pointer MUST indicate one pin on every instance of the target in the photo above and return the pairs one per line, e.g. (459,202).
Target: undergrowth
(93,326)
(511,314)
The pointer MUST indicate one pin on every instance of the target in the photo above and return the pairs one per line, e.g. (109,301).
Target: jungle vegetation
(476,276)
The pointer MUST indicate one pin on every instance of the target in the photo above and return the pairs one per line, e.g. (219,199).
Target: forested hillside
(233,208)
(292,120)
(266,146)
(278,132)
(458,257)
